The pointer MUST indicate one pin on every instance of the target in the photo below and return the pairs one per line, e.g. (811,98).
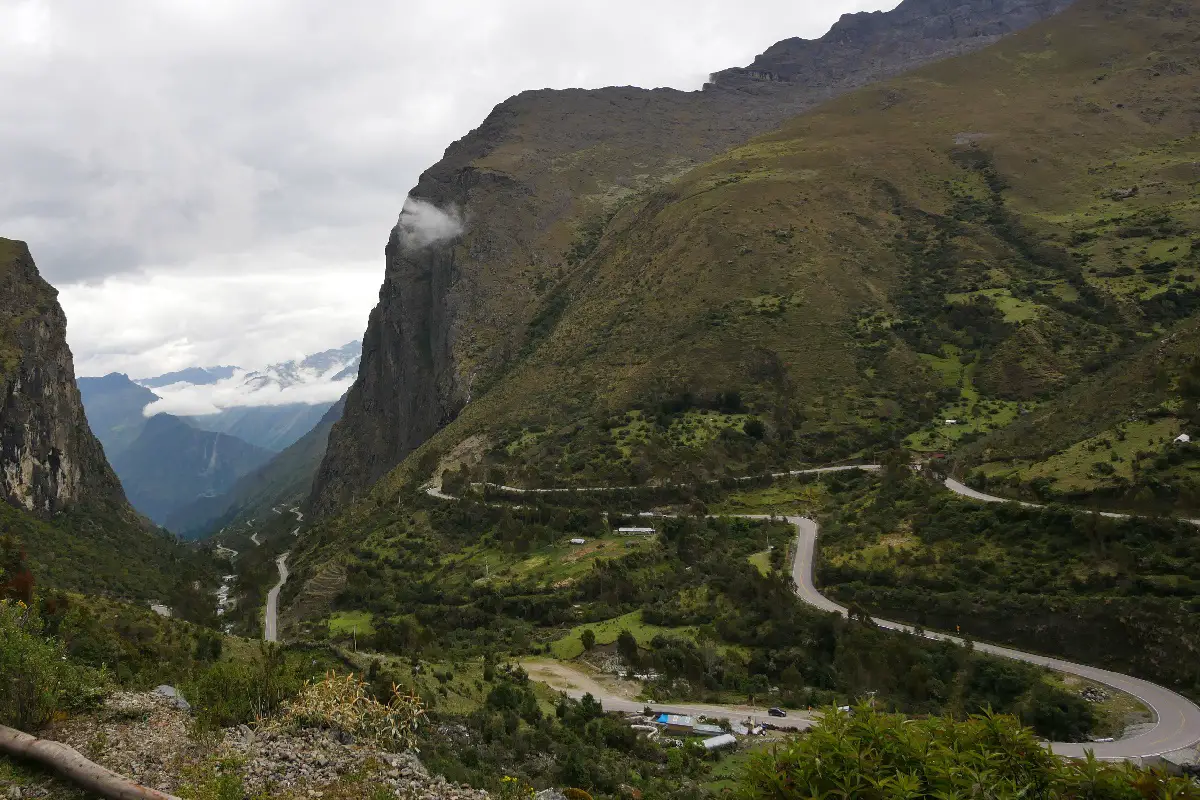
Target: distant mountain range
(171,463)
(197,375)
(285,480)
(176,467)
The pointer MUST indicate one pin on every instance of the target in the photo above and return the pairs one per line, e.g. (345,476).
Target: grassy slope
(787,268)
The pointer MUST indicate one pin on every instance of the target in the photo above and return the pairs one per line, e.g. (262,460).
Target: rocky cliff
(870,46)
(533,187)
(49,459)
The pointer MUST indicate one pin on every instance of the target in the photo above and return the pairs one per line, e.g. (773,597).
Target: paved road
(967,491)
(271,622)
(1178,724)
(1178,719)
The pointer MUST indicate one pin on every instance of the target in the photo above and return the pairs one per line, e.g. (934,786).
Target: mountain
(553,184)
(285,480)
(172,463)
(335,364)
(64,503)
(269,427)
(252,403)
(114,406)
(200,376)
(51,460)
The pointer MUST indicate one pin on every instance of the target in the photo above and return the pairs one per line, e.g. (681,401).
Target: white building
(1183,438)
(636,531)
(579,541)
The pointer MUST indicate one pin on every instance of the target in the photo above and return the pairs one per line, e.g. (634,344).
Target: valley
(856,393)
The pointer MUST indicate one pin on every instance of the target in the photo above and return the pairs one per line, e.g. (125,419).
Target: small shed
(578,541)
(719,742)
(676,723)
(1183,438)
(708,730)
(951,422)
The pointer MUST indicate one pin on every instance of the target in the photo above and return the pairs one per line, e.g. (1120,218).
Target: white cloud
(422,224)
(222,312)
(147,144)
(185,399)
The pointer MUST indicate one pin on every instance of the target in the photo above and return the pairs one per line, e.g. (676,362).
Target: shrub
(881,756)
(233,692)
(36,680)
(343,704)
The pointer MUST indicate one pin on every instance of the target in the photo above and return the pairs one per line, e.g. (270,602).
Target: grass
(761,562)
(570,646)
(784,496)
(552,564)
(1076,467)
(345,623)
(729,767)
(1013,309)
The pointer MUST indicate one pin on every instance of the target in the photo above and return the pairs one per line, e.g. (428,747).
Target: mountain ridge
(535,182)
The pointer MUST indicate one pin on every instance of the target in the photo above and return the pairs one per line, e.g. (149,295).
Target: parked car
(776,712)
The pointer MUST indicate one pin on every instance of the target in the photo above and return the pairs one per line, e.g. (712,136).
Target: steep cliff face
(49,459)
(534,186)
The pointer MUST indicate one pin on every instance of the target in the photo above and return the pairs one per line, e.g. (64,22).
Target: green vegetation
(1110,441)
(346,623)
(605,632)
(688,606)
(883,756)
(37,678)
(967,275)
(1118,593)
(99,550)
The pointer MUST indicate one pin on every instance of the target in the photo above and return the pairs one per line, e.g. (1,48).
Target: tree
(627,647)
(16,581)
(938,757)
(588,637)
(755,429)
(757,686)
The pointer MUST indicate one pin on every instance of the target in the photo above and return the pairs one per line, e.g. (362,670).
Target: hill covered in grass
(531,205)
(1112,440)
(964,242)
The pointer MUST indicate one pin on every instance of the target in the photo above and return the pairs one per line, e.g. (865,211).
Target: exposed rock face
(870,46)
(454,315)
(49,459)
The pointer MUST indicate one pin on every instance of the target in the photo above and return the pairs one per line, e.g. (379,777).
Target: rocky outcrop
(546,167)
(49,459)
(870,46)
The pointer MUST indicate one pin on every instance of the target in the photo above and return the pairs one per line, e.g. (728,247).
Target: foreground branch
(67,762)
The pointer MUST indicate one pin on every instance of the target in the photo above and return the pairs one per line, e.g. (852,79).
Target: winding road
(1178,719)
(271,620)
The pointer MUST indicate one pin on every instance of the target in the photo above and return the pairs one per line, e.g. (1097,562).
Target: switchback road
(1177,722)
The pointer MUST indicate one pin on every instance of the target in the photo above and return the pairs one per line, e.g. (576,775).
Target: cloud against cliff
(422,224)
(147,139)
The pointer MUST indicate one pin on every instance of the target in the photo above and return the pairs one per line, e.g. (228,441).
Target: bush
(233,692)
(342,704)
(881,756)
(36,680)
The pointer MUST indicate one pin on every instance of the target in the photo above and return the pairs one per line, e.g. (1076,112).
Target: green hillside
(960,243)
(1110,440)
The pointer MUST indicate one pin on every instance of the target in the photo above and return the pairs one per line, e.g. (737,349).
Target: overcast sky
(213,181)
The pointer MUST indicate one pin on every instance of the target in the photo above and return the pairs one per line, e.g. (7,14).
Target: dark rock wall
(49,459)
